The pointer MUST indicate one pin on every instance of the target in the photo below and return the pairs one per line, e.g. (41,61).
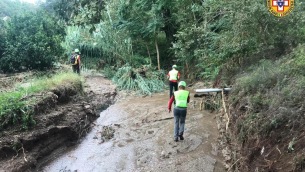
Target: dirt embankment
(62,117)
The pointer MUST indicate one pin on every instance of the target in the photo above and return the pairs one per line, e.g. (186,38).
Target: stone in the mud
(162,153)
(107,132)
(117,125)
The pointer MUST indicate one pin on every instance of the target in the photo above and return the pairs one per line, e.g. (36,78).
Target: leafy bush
(33,42)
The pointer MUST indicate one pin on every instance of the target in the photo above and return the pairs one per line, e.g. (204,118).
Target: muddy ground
(136,134)
(63,117)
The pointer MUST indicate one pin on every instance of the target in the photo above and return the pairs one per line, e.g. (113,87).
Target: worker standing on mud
(75,60)
(173,76)
(182,98)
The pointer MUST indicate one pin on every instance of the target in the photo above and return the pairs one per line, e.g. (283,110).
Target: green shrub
(33,42)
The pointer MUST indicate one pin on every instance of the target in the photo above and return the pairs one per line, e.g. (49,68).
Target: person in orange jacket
(182,98)
(173,76)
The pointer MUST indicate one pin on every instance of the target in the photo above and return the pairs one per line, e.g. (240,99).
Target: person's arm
(167,75)
(178,77)
(170,102)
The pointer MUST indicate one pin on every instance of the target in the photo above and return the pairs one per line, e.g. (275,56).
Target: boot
(176,139)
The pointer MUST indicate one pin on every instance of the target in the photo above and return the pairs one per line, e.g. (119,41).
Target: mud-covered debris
(117,125)
(107,133)
(165,155)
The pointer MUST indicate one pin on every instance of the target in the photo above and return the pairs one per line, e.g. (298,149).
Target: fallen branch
(233,165)
(24,155)
(164,119)
(277,148)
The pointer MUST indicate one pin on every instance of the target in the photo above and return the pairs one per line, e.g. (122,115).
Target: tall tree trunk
(158,55)
(108,13)
(148,52)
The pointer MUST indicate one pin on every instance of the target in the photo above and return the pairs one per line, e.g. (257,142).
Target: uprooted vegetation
(144,80)
(267,115)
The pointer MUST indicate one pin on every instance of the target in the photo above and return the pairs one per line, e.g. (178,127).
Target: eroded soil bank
(63,117)
(136,134)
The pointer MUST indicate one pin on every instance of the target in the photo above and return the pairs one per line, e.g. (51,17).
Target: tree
(33,42)
(80,12)
(144,20)
(2,38)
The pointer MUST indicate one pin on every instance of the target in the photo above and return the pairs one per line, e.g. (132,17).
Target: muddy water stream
(143,140)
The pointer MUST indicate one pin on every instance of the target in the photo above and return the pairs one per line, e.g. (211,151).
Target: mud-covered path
(143,140)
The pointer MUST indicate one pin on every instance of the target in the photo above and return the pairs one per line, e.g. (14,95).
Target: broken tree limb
(225,109)
(233,165)
(164,119)
(201,104)
(24,155)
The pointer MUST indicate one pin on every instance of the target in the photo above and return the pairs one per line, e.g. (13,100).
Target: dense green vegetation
(32,42)
(17,106)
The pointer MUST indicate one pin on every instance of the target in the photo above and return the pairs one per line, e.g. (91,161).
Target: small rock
(117,125)
(162,153)
(227,166)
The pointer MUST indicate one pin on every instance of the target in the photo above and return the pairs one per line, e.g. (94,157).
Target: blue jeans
(179,117)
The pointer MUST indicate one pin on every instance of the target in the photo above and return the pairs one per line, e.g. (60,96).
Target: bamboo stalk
(158,55)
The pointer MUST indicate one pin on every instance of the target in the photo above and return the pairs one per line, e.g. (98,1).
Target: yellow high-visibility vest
(181,98)
(173,75)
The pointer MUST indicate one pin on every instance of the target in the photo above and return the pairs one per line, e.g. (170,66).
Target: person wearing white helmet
(173,76)
(75,61)
(182,98)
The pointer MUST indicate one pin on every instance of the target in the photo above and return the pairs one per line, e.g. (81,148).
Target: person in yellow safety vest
(173,76)
(77,62)
(182,98)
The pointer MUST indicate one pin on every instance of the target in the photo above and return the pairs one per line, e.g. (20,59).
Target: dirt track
(136,134)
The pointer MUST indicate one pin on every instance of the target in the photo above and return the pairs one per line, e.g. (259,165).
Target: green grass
(16,106)
(274,92)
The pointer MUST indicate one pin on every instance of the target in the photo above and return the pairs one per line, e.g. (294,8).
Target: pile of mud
(62,118)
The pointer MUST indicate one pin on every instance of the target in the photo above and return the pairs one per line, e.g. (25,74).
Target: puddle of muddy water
(95,155)
(143,141)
